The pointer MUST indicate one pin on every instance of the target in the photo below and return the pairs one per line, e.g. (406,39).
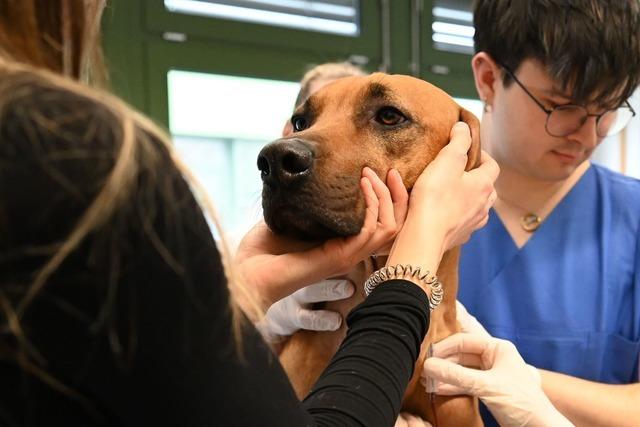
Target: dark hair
(589,47)
(43,102)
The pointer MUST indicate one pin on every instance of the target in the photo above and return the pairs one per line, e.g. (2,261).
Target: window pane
(473,105)
(453,26)
(621,152)
(219,124)
(329,16)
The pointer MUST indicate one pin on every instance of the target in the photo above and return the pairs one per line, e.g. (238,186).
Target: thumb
(319,320)
(460,142)
(470,381)
(325,290)
(468,322)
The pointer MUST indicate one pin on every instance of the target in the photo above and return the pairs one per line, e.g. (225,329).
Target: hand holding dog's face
(274,266)
(311,178)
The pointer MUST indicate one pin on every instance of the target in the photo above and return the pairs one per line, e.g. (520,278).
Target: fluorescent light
(316,6)
(454,14)
(453,29)
(259,16)
(454,40)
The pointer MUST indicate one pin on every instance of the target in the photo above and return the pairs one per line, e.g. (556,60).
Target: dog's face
(311,177)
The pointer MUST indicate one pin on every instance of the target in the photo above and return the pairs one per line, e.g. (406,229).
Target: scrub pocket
(612,359)
(567,354)
(601,357)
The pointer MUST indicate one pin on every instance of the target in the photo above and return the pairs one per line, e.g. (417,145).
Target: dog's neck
(448,275)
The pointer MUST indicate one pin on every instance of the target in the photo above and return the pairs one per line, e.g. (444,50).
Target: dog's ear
(474,125)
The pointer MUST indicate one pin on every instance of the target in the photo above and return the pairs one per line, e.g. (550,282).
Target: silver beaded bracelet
(407,271)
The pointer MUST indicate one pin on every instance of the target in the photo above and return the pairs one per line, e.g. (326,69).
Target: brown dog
(311,190)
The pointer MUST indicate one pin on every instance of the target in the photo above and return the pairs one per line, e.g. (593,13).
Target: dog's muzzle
(296,199)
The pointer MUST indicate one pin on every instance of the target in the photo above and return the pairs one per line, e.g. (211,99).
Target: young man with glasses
(557,269)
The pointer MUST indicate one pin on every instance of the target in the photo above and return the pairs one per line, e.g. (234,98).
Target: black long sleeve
(366,379)
(134,328)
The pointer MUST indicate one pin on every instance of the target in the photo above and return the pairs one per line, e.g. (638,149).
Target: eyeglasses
(566,119)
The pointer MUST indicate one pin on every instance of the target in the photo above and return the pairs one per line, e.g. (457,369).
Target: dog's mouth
(305,198)
(304,217)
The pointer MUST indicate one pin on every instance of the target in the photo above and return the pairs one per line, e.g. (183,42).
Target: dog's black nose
(286,162)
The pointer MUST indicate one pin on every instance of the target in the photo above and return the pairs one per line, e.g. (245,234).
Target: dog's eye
(299,123)
(390,116)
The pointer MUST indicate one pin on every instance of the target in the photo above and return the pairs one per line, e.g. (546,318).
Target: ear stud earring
(486,107)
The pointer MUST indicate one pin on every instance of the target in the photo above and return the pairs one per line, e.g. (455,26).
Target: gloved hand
(291,313)
(409,420)
(504,382)
(469,323)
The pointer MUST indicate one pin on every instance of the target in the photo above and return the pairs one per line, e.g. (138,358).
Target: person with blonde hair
(116,305)
(317,77)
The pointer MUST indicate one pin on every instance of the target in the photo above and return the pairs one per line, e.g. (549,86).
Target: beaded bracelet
(407,271)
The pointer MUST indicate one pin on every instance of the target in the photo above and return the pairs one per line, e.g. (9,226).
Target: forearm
(588,403)
(420,243)
(366,379)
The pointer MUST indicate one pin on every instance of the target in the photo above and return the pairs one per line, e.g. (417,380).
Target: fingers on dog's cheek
(401,207)
(385,206)
(378,186)
(455,154)
(461,136)
(396,186)
(367,191)
(460,129)
(371,201)
(373,177)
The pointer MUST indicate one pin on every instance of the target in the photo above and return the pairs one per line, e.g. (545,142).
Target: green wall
(139,57)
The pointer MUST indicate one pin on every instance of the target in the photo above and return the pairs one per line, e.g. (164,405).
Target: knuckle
(508,345)
(301,318)
(486,186)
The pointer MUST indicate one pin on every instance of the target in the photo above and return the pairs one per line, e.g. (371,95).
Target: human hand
(409,420)
(293,312)
(469,323)
(504,382)
(275,266)
(446,205)
(457,199)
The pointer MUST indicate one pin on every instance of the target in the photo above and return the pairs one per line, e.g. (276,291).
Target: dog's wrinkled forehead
(343,91)
(359,94)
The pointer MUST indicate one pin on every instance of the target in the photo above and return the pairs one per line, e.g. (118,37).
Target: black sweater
(134,328)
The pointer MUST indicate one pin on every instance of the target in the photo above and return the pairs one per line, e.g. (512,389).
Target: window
(219,124)
(328,16)
(621,152)
(473,105)
(452,26)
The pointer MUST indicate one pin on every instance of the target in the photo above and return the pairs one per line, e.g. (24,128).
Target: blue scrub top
(569,299)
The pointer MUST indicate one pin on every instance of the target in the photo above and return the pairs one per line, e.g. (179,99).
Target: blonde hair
(139,147)
(326,71)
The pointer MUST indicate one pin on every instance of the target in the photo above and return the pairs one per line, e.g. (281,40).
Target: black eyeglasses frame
(548,111)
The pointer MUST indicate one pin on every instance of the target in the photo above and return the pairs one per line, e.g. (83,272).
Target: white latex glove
(292,313)
(409,420)
(504,382)
(469,323)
